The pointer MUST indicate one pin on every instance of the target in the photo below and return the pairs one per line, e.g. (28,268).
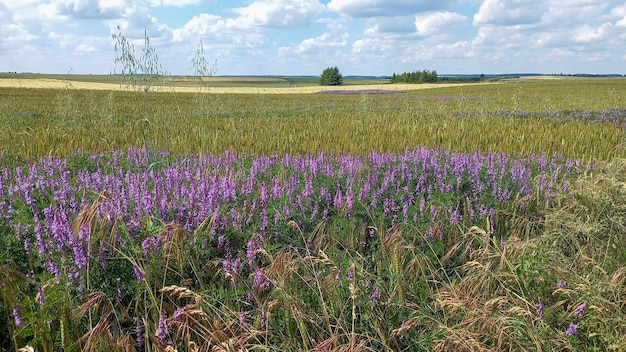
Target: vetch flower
(139,333)
(571,330)
(138,274)
(540,311)
(41,296)
(17,317)
(161,331)
(376,294)
(261,281)
(579,310)
(220,242)
(231,266)
(561,284)
(177,313)
(251,248)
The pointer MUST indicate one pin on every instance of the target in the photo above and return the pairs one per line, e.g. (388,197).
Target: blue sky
(302,37)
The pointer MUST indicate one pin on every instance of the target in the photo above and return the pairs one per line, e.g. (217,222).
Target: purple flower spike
(138,274)
(579,310)
(139,334)
(540,311)
(261,281)
(571,330)
(161,331)
(376,294)
(351,273)
(17,317)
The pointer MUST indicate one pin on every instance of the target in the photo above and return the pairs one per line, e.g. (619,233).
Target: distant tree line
(415,77)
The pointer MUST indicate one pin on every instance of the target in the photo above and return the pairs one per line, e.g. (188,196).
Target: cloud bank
(291,37)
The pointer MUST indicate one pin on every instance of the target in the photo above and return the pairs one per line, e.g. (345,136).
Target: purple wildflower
(17,317)
(540,311)
(161,331)
(579,310)
(139,333)
(571,330)
(261,281)
(138,274)
(561,284)
(220,242)
(147,244)
(231,266)
(252,246)
(422,205)
(456,217)
(376,294)
(351,273)
(338,200)
(177,313)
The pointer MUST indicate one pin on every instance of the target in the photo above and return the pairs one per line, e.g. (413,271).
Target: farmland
(229,215)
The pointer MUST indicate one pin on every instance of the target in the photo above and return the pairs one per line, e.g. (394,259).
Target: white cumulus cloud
(510,12)
(618,14)
(390,25)
(281,13)
(433,22)
(86,9)
(589,34)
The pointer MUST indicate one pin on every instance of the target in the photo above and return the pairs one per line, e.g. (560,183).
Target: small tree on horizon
(331,77)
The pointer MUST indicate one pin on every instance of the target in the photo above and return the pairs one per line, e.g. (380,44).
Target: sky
(303,37)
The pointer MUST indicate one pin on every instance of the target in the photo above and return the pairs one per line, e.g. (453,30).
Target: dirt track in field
(59,84)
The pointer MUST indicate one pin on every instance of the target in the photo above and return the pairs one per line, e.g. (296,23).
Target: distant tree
(331,77)
(415,77)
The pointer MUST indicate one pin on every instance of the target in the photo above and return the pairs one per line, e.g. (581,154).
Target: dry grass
(231,79)
(494,306)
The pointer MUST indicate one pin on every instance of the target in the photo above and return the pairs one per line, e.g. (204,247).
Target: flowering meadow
(145,247)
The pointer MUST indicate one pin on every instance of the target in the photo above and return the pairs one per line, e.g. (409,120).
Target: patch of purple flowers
(359,91)
(613,116)
(406,187)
